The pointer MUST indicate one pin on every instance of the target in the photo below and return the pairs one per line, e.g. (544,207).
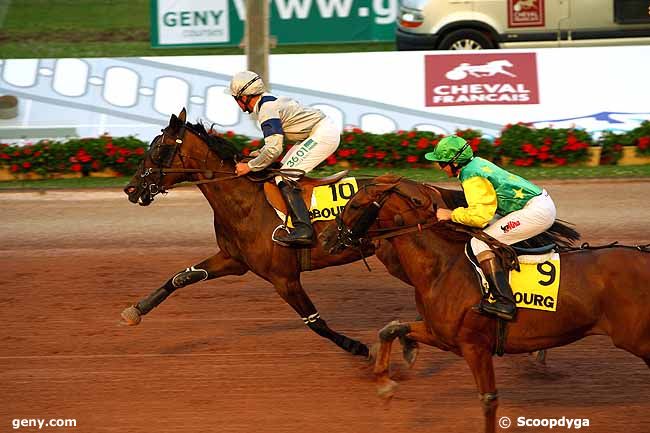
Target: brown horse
(243,224)
(602,291)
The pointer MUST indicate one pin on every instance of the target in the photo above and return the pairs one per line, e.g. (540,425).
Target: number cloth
(536,285)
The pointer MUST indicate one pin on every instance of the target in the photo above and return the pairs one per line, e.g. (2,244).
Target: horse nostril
(129,189)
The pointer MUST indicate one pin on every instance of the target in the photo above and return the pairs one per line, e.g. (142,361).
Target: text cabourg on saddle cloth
(481,79)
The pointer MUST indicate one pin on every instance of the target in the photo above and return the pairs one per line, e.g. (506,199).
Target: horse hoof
(386,389)
(410,354)
(131,316)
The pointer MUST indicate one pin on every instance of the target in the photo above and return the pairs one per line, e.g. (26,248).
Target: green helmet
(451,149)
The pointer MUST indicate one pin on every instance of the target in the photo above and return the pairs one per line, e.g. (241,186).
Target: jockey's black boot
(302,233)
(504,307)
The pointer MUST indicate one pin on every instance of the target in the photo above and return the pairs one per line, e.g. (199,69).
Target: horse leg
(410,350)
(479,359)
(293,294)
(411,333)
(385,385)
(216,266)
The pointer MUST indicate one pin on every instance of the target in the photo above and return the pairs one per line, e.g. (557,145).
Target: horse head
(375,205)
(501,63)
(183,152)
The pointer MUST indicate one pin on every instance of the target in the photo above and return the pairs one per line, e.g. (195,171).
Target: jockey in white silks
(281,118)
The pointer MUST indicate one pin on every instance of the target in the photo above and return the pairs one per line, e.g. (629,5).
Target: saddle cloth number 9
(536,286)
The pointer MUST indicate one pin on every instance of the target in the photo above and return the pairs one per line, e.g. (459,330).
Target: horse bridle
(359,235)
(165,161)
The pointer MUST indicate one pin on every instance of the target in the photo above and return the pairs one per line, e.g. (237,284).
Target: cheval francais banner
(478,79)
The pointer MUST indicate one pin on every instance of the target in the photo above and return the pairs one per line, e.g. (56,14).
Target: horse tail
(560,233)
(563,233)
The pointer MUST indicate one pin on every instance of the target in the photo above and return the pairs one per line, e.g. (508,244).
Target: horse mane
(222,147)
(453,198)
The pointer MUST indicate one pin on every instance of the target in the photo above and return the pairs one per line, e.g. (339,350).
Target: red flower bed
(528,146)
(524,145)
(83,155)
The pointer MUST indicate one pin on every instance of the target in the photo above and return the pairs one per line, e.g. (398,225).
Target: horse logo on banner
(490,69)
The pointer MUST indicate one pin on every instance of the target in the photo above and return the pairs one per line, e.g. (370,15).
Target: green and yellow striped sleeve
(481,200)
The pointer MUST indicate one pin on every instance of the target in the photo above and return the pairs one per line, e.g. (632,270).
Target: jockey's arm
(273,144)
(481,203)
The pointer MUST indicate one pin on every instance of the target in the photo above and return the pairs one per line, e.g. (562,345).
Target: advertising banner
(478,79)
(189,22)
(221,22)
(378,91)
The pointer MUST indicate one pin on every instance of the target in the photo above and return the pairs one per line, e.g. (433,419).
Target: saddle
(307,185)
(524,255)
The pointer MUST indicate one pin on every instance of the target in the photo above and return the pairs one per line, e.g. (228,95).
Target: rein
(506,253)
(585,246)
(207,173)
(392,232)
(288,174)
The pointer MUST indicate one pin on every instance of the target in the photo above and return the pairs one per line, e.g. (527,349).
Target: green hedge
(524,145)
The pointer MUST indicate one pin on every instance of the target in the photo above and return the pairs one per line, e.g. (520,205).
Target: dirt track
(230,356)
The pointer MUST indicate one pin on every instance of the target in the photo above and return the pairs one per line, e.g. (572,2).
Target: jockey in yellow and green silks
(522,210)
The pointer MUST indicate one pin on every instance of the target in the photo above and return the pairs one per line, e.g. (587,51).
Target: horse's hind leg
(293,294)
(216,266)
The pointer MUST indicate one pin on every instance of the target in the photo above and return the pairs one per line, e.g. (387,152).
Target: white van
(482,24)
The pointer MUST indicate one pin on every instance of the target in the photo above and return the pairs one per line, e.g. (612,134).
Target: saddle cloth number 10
(328,201)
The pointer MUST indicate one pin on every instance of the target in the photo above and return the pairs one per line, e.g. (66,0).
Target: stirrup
(480,308)
(284,243)
(279,241)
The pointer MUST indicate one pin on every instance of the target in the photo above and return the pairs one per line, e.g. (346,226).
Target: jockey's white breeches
(323,141)
(534,218)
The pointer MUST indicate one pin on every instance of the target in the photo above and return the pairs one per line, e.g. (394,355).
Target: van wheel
(466,39)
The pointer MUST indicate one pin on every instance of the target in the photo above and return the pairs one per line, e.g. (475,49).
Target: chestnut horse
(602,291)
(243,224)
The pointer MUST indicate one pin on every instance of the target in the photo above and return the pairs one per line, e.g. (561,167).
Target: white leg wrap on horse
(189,276)
(311,319)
